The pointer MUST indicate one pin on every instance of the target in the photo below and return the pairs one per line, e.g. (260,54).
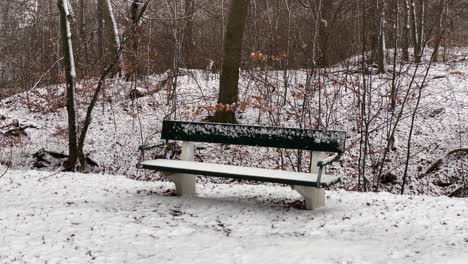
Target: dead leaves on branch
(257,104)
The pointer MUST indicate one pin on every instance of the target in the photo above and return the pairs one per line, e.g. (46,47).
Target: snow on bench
(309,185)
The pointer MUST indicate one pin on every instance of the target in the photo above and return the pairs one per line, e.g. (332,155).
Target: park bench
(310,185)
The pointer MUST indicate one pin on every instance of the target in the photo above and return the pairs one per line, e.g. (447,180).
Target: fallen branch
(5,172)
(456,191)
(436,164)
(9,163)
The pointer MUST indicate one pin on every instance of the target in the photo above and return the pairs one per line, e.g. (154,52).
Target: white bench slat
(246,173)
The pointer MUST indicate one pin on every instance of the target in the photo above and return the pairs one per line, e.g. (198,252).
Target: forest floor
(93,218)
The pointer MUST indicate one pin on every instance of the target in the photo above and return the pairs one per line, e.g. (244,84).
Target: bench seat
(237,172)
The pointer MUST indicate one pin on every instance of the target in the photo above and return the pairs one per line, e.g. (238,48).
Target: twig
(46,72)
(53,174)
(455,192)
(8,166)
(5,172)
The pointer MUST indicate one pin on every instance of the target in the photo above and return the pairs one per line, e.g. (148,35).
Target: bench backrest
(276,137)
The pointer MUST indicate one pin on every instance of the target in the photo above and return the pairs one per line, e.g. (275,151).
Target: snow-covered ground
(90,218)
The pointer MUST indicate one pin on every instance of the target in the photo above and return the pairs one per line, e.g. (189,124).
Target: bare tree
(70,74)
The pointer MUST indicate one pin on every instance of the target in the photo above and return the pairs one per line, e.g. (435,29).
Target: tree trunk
(420,23)
(413,27)
(381,39)
(438,32)
(228,85)
(406,31)
(137,9)
(417,27)
(83,7)
(188,44)
(70,75)
(100,34)
(324,32)
(111,37)
(132,58)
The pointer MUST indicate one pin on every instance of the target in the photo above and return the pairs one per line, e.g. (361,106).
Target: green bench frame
(309,185)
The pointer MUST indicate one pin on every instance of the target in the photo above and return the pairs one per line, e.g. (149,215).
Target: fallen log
(46,158)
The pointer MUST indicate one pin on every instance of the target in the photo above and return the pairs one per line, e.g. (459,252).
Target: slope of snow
(78,218)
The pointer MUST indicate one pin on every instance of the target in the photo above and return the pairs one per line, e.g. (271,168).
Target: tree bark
(137,9)
(70,76)
(324,32)
(421,19)
(406,31)
(83,8)
(110,34)
(414,34)
(100,34)
(132,58)
(438,32)
(188,44)
(229,86)
(381,40)
(417,27)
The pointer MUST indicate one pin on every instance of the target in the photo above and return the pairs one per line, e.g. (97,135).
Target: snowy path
(75,218)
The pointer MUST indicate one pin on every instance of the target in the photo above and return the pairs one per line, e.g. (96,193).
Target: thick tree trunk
(70,75)
(228,86)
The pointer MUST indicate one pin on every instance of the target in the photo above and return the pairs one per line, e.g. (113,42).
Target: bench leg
(314,197)
(185,183)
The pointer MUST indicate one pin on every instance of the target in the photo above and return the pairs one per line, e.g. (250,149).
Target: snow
(78,218)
